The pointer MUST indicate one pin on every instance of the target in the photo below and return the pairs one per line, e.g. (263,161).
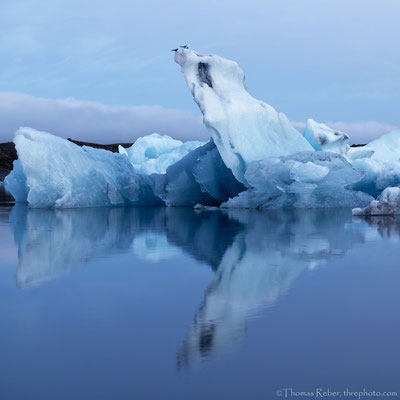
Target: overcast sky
(102,70)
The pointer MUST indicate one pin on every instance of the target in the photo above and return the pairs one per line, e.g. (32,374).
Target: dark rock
(5,197)
(7,157)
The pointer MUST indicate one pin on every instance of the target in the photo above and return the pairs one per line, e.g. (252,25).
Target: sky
(103,71)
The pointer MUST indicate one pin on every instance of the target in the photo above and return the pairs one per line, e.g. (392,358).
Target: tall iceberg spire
(244,129)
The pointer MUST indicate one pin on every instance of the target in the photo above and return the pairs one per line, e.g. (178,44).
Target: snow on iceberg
(54,172)
(244,129)
(387,203)
(155,153)
(323,138)
(301,180)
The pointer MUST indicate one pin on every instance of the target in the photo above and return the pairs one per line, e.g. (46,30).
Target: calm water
(178,304)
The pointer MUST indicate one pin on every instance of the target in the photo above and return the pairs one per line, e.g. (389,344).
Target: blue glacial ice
(200,177)
(302,180)
(254,159)
(53,172)
(382,167)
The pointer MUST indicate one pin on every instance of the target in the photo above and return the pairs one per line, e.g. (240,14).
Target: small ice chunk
(122,150)
(388,203)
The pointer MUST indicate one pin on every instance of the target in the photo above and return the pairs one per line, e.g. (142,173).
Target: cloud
(359,132)
(96,122)
(92,121)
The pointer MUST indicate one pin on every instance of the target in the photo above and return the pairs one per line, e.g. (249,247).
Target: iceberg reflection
(261,264)
(388,226)
(51,242)
(256,255)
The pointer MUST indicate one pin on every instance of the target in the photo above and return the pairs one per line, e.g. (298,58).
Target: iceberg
(153,154)
(382,168)
(301,180)
(254,159)
(387,203)
(323,138)
(54,172)
(243,128)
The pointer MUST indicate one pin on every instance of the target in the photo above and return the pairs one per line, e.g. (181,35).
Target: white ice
(244,129)
(323,138)
(54,172)
(155,153)
(387,147)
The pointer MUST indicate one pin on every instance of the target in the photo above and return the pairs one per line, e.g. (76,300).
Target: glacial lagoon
(176,303)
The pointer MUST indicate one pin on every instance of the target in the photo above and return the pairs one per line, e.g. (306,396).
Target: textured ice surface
(382,168)
(387,147)
(15,182)
(356,153)
(54,172)
(200,177)
(301,180)
(155,153)
(244,129)
(387,203)
(321,137)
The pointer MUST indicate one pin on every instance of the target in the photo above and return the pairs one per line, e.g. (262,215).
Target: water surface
(171,303)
